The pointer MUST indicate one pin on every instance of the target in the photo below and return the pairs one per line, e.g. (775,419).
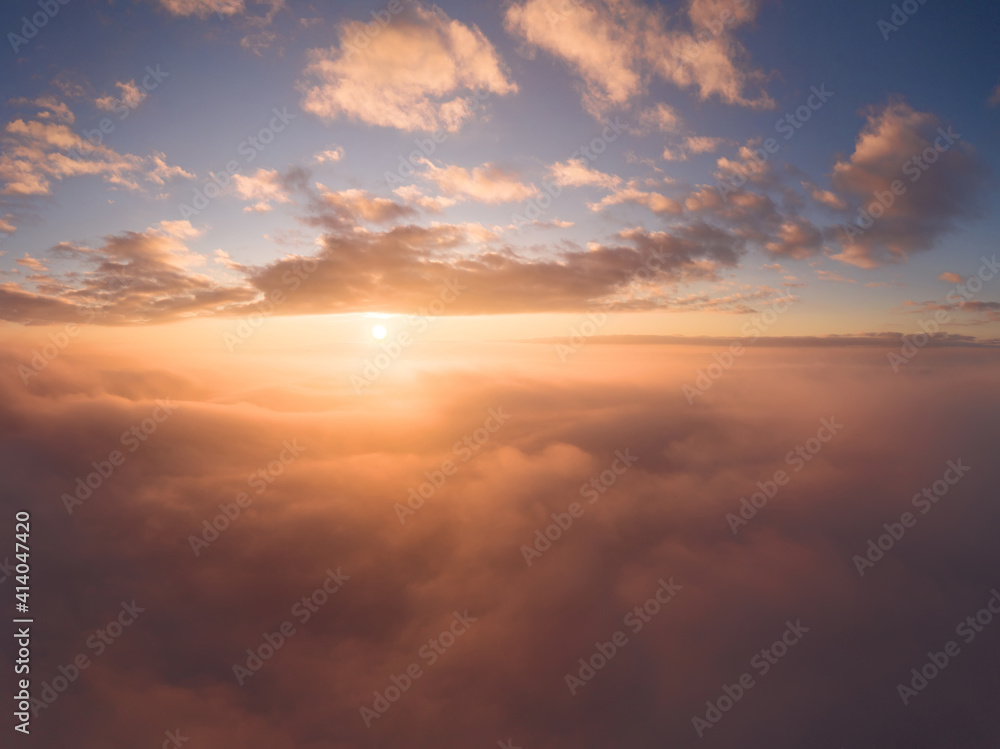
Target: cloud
(825,197)
(334,153)
(618,46)
(702,143)
(797,238)
(577,173)
(663,519)
(31,263)
(6,226)
(161,171)
(951,278)
(654,201)
(661,117)
(203,8)
(37,152)
(353,205)
(487,183)
(179,229)
(418,73)
(264,187)
(412,194)
(976,312)
(131,96)
(399,270)
(828,275)
(553,224)
(138,277)
(892,147)
(206,8)
(51,108)
(133,277)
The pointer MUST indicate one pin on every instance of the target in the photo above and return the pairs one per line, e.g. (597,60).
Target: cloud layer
(664,518)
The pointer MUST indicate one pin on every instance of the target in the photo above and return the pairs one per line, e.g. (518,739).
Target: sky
(722,162)
(549,374)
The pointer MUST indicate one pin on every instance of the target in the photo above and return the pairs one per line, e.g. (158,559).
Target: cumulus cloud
(354,205)
(577,173)
(487,183)
(413,195)
(37,152)
(618,46)
(825,197)
(263,188)
(424,71)
(939,174)
(797,238)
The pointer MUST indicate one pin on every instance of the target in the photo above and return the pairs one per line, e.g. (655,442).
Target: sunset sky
(517,96)
(547,374)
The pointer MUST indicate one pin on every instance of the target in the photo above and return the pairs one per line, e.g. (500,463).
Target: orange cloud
(419,72)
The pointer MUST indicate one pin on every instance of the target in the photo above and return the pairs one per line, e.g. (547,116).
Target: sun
(379,332)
